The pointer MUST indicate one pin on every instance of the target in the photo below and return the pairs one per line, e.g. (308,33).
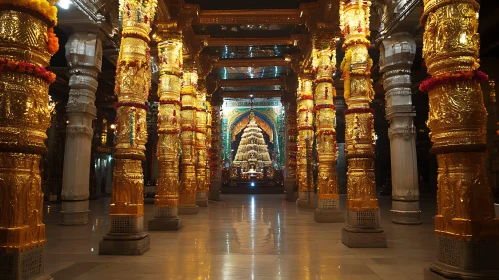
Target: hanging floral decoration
(447,78)
(358,41)
(53,41)
(7,65)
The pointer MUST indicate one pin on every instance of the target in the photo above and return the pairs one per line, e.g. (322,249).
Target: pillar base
(304,203)
(289,188)
(202,203)
(74,213)
(188,210)
(214,193)
(440,271)
(27,264)
(363,238)
(164,224)
(329,215)
(124,244)
(406,212)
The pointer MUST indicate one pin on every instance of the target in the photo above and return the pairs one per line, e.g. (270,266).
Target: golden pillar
(305,121)
(291,148)
(209,139)
(467,232)
(328,204)
(216,151)
(201,127)
(133,81)
(27,41)
(188,184)
(166,199)
(362,220)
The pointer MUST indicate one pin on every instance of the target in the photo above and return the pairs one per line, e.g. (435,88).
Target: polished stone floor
(242,237)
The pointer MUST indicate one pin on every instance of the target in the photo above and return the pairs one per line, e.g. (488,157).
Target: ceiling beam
(250,82)
(264,16)
(235,42)
(252,62)
(256,94)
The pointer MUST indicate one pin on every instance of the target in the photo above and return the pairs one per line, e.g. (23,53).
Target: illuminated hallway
(242,237)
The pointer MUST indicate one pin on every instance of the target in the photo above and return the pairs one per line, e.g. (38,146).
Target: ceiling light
(64,4)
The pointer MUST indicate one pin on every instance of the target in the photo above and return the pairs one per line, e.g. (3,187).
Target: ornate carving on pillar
(216,153)
(188,185)
(362,220)
(200,145)
(328,204)
(27,42)
(467,232)
(167,196)
(84,56)
(133,81)
(291,150)
(305,121)
(397,55)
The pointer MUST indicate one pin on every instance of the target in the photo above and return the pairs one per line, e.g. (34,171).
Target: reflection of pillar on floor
(24,120)
(362,227)
(397,55)
(84,56)
(126,235)
(166,198)
(466,231)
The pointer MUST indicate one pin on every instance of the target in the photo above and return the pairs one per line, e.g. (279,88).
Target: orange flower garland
(430,83)
(43,8)
(7,65)
(53,41)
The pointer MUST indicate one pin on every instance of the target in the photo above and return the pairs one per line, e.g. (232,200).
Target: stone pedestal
(289,188)
(188,210)
(363,238)
(202,203)
(23,265)
(329,216)
(124,244)
(406,212)
(202,199)
(216,184)
(84,56)
(161,224)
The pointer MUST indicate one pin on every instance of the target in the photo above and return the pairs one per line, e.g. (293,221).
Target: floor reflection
(241,237)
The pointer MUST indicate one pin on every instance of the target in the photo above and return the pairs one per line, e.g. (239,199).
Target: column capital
(84,50)
(397,51)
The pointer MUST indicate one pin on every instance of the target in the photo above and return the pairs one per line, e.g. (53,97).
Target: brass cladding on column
(188,138)
(24,119)
(170,59)
(133,81)
(457,119)
(358,92)
(201,127)
(292,141)
(208,145)
(305,121)
(325,124)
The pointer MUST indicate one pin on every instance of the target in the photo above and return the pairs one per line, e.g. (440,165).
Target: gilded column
(84,56)
(201,126)
(397,55)
(167,196)
(188,184)
(362,220)
(328,204)
(216,152)
(133,81)
(208,145)
(27,41)
(305,121)
(291,148)
(465,225)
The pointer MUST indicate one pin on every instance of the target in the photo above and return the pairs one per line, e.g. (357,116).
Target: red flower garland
(305,127)
(306,97)
(325,132)
(324,80)
(7,65)
(324,106)
(352,42)
(435,81)
(359,111)
(170,101)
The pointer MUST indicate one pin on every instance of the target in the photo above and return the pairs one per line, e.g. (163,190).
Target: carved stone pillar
(216,153)
(397,54)
(166,198)
(188,184)
(291,133)
(466,230)
(328,200)
(133,81)
(305,120)
(84,56)
(362,220)
(26,45)
(200,146)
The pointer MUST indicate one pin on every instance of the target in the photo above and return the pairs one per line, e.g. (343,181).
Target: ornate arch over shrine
(242,120)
